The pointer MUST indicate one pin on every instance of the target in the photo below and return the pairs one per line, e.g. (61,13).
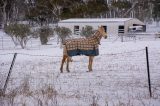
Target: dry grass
(94,101)
(1,93)
(24,88)
(48,96)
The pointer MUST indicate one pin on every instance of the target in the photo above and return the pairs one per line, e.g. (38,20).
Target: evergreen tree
(96,8)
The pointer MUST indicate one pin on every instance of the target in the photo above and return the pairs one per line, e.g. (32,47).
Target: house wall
(112,28)
(131,22)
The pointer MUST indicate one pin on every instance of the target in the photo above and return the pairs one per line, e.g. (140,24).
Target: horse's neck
(96,37)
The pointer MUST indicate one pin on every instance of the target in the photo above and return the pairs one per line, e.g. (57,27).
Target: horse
(83,46)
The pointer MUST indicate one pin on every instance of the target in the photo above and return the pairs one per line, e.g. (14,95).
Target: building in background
(113,26)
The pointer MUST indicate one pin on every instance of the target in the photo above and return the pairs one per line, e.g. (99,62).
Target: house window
(76,30)
(121,29)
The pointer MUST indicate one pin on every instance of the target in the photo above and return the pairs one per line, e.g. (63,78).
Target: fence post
(9,73)
(149,81)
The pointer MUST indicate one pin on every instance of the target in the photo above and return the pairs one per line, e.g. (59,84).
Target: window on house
(76,30)
(121,29)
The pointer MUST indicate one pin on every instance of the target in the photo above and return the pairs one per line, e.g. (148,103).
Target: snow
(95,20)
(2,34)
(119,76)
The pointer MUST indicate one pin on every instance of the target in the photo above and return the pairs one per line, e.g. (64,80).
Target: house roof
(86,20)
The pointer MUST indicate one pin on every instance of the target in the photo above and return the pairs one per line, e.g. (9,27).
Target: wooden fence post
(148,71)
(9,73)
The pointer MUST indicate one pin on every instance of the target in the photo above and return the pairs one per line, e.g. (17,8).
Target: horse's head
(102,31)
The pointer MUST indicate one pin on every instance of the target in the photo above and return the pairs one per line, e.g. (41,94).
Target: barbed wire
(124,52)
(7,53)
(37,55)
(61,56)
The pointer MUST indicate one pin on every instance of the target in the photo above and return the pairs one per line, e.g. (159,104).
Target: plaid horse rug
(83,46)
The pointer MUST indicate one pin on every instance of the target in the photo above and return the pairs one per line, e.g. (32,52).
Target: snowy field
(119,76)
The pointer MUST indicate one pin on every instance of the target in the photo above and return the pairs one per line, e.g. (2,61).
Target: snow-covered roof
(77,20)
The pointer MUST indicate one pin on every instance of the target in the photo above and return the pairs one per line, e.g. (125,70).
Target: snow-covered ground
(119,76)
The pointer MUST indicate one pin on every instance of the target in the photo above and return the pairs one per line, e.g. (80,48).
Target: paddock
(119,76)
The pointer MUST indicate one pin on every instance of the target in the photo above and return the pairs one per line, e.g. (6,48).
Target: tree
(44,10)
(96,8)
(87,31)
(76,9)
(19,33)
(44,34)
(63,33)
(18,9)
(12,10)
(120,7)
(156,11)
(3,10)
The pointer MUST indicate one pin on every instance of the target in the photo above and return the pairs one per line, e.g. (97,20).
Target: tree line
(47,11)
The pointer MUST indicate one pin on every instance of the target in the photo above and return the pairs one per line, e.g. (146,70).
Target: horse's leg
(63,60)
(91,63)
(67,67)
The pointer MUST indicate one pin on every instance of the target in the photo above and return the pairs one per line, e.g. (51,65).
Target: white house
(113,26)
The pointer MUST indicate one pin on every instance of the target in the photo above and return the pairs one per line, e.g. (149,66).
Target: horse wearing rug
(83,46)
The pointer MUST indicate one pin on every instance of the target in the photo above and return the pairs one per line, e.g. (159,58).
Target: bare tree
(3,5)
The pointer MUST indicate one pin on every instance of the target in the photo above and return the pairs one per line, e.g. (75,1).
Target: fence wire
(7,43)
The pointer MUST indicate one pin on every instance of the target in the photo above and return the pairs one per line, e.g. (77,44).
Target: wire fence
(111,72)
(7,43)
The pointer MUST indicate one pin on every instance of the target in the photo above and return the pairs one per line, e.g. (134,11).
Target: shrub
(20,33)
(63,32)
(44,34)
(87,31)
